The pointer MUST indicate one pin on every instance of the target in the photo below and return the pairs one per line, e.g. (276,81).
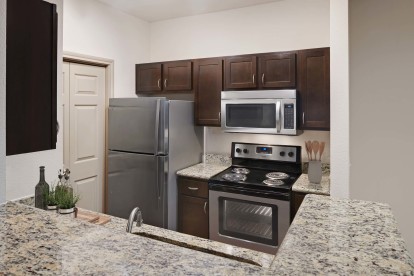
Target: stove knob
(291,154)
(246,151)
(238,150)
(282,153)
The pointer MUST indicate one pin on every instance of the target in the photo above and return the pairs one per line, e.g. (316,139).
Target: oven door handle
(255,193)
(278,117)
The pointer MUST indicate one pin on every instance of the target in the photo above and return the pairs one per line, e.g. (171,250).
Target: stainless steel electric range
(249,203)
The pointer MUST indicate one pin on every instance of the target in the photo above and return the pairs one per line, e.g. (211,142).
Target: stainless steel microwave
(259,111)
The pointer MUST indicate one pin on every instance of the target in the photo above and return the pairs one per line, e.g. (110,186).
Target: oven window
(251,221)
(251,115)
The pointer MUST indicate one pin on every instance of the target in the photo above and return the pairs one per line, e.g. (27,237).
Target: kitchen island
(328,236)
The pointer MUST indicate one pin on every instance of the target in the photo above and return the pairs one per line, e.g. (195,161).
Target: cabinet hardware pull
(263,79)
(303,118)
(253,78)
(193,188)
(159,83)
(205,207)
(165,83)
(220,117)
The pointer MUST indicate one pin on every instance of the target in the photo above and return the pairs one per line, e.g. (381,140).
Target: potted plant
(66,200)
(51,200)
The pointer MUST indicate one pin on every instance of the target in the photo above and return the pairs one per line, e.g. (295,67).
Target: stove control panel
(266,152)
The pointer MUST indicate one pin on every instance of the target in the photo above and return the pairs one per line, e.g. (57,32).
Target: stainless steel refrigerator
(150,139)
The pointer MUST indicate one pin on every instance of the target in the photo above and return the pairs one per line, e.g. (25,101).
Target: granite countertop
(328,236)
(341,236)
(303,185)
(33,241)
(212,165)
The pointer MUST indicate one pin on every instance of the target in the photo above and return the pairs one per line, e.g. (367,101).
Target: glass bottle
(41,191)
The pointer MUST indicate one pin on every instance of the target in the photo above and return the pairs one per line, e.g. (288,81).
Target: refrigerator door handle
(157,171)
(157,126)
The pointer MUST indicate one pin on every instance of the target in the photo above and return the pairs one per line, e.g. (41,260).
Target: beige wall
(96,29)
(381,106)
(2,100)
(340,164)
(278,26)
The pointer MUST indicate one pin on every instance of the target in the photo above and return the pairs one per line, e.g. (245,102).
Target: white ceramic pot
(52,208)
(315,172)
(72,212)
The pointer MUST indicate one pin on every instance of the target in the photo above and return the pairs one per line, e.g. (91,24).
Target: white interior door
(84,131)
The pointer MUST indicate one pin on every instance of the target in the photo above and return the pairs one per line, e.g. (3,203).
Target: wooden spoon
(307,149)
(321,149)
(315,147)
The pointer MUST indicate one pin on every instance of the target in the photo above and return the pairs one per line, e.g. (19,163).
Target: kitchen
(88,17)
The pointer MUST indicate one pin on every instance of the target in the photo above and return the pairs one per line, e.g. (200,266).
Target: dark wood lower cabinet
(193,207)
(297,199)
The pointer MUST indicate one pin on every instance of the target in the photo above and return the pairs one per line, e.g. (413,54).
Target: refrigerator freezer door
(138,180)
(138,125)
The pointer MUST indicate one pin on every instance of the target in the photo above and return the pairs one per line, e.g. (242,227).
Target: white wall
(279,26)
(340,164)
(22,173)
(381,102)
(96,29)
(2,100)
(220,142)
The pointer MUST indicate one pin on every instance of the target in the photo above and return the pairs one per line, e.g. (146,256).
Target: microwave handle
(278,117)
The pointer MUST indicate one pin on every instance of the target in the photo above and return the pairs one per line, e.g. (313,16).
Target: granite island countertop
(328,236)
(34,241)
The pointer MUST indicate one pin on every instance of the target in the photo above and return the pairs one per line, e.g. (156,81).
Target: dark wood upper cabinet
(240,72)
(314,89)
(208,84)
(277,70)
(177,75)
(31,81)
(148,77)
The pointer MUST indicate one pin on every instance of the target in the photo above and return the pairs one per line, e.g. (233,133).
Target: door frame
(108,64)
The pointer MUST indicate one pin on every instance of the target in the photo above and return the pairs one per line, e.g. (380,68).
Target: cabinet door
(208,84)
(193,216)
(148,77)
(277,70)
(240,72)
(314,89)
(31,76)
(177,76)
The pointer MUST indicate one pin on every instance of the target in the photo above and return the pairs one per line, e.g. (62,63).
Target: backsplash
(219,142)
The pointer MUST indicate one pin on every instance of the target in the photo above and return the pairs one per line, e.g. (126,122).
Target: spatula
(315,148)
(321,149)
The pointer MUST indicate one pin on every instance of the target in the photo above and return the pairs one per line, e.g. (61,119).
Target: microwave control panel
(289,118)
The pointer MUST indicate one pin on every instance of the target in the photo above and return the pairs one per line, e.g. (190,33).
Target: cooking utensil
(310,150)
(321,149)
(307,150)
(315,147)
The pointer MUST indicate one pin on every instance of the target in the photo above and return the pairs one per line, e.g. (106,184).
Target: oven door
(248,221)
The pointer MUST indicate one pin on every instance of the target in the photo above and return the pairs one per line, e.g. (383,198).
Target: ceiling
(156,10)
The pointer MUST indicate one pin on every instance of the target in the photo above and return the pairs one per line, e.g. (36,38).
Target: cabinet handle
(303,118)
(263,78)
(205,207)
(220,117)
(165,83)
(253,78)
(159,83)
(193,188)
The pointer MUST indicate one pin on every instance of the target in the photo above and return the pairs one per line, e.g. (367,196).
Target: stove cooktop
(254,180)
